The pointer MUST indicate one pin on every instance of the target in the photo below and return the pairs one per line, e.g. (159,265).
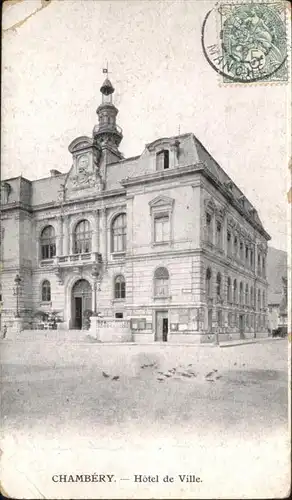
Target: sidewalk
(232,343)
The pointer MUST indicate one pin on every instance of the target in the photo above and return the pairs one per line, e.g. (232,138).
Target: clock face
(83,163)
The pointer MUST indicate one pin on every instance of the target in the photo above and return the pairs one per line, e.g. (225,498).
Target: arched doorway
(81,302)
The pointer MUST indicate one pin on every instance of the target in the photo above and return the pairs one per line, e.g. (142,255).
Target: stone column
(60,236)
(66,248)
(130,215)
(95,232)
(103,234)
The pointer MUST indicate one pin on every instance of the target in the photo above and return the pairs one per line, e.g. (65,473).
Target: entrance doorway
(81,303)
(241,326)
(161,330)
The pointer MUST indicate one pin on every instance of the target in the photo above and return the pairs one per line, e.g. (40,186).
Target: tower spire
(107,132)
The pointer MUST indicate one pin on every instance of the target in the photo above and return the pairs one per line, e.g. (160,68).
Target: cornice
(79,201)
(208,174)
(162,175)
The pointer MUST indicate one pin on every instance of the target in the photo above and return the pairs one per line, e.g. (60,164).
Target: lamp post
(17,292)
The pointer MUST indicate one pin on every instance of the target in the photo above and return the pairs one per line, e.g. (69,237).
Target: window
(120,287)
(162,160)
(219,317)
(246,295)
(82,237)
(263,267)
(240,293)
(161,282)
(228,243)
(241,251)
(235,248)
(208,283)
(229,319)
(246,254)
(46,291)
(251,257)
(259,265)
(48,243)
(251,297)
(218,285)
(119,315)
(219,234)
(229,297)
(209,228)
(235,291)
(161,229)
(264,300)
(247,321)
(119,233)
(259,300)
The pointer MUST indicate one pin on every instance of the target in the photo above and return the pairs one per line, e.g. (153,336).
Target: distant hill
(276,269)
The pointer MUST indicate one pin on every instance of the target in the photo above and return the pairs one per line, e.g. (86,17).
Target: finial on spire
(106,88)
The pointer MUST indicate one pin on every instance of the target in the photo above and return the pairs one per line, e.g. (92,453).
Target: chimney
(54,172)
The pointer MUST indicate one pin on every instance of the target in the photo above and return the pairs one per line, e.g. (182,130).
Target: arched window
(218,285)
(229,296)
(208,283)
(48,243)
(235,291)
(120,287)
(119,233)
(259,300)
(46,291)
(241,293)
(246,295)
(82,237)
(162,160)
(161,282)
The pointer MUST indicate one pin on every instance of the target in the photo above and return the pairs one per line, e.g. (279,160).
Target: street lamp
(17,292)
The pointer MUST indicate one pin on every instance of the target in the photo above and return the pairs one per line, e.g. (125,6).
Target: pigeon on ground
(209,374)
(116,377)
(167,375)
(105,375)
(160,379)
(210,380)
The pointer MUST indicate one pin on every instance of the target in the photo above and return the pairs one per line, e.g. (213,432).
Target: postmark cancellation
(247,42)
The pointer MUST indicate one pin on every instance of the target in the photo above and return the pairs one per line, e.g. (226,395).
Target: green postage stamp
(251,43)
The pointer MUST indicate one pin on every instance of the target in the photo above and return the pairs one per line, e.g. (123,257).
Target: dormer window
(162,160)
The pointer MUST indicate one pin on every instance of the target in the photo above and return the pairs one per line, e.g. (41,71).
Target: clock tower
(107,133)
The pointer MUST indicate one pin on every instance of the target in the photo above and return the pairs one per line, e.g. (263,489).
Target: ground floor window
(230,319)
(219,317)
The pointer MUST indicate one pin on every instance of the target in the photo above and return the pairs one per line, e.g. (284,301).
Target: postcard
(145,249)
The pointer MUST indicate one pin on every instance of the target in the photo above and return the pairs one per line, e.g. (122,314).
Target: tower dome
(107,132)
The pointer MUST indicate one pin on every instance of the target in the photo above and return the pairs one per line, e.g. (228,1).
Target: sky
(52,72)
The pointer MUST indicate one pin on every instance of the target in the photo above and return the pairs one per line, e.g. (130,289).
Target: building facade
(164,239)
(278,308)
